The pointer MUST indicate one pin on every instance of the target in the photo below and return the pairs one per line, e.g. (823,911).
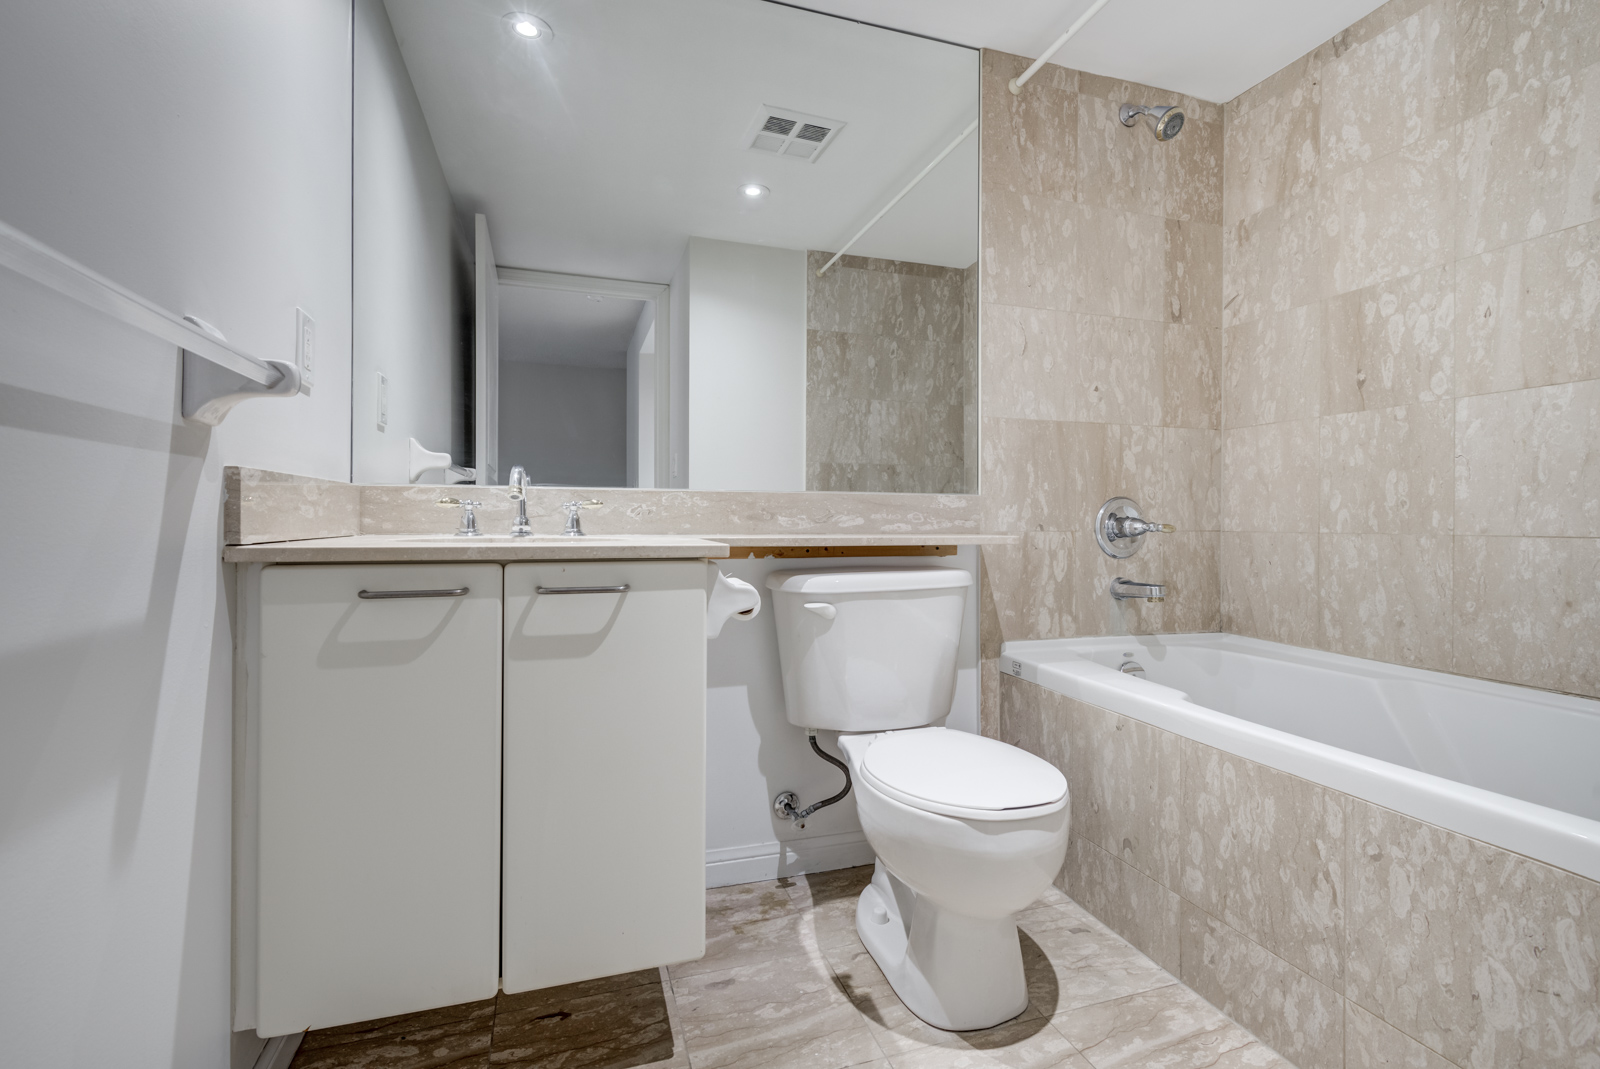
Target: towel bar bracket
(210,391)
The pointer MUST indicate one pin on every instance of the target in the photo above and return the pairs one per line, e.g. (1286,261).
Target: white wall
(747,366)
(199,154)
(642,400)
(566,425)
(678,376)
(405,306)
(753,752)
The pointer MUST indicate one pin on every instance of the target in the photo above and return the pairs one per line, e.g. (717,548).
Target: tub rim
(1552,836)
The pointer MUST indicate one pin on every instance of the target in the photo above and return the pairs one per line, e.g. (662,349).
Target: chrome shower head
(1168,120)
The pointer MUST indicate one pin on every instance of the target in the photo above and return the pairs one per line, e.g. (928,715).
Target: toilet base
(957,973)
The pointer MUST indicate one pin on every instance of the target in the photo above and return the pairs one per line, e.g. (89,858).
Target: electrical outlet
(383,401)
(305,348)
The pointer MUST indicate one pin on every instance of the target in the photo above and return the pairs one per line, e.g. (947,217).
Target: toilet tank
(868,650)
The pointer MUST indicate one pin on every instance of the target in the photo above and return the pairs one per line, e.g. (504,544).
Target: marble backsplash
(269,507)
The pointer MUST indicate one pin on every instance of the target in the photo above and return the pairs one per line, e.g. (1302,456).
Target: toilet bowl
(967,830)
(939,916)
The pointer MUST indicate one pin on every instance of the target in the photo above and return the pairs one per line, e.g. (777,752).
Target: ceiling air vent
(791,134)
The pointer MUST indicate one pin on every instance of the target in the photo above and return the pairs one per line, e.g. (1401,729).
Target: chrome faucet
(574,527)
(518,485)
(1128,590)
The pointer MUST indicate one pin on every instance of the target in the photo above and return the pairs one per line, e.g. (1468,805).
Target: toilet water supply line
(785,803)
(1015,85)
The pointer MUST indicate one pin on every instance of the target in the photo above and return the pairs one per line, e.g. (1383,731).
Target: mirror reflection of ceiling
(1212,49)
(540,326)
(602,149)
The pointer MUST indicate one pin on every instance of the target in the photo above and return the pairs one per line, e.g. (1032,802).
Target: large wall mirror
(719,244)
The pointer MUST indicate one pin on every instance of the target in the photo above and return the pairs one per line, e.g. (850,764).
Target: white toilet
(968,830)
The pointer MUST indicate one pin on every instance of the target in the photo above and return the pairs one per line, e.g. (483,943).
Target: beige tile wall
(1100,304)
(1348,339)
(888,375)
(1345,935)
(1411,344)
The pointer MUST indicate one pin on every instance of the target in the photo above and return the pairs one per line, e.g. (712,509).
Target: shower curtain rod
(1021,80)
(951,147)
(1015,85)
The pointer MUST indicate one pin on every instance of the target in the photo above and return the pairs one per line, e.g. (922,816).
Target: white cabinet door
(379,792)
(604,859)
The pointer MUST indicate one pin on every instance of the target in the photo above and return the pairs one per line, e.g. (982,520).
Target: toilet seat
(959,774)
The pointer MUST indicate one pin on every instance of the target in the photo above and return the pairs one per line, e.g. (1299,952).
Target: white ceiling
(601,151)
(539,326)
(1212,49)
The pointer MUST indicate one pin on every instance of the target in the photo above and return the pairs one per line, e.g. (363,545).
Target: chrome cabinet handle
(384,595)
(621,588)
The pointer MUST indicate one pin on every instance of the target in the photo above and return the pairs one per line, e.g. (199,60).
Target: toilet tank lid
(868,581)
(958,768)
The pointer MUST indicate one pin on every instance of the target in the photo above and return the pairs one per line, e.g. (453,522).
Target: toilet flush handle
(822,609)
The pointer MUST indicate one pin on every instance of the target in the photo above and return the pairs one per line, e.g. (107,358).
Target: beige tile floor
(786,984)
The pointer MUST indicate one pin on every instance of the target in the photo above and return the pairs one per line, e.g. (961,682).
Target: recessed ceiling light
(529,27)
(753,191)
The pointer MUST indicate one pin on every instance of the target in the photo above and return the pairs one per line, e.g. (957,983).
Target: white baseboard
(279,1051)
(767,861)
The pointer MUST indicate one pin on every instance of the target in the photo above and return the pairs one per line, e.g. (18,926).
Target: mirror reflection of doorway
(579,366)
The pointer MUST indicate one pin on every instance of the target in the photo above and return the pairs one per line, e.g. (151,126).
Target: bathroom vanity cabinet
(470,779)
(604,769)
(379,791)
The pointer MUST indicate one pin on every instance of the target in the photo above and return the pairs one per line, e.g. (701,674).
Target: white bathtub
(1515,767)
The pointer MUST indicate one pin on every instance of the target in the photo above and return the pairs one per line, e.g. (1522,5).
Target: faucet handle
(1118,527)
(574,528)
(469,518)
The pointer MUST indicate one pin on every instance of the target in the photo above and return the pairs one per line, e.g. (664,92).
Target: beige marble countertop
(352,549)
(394,548)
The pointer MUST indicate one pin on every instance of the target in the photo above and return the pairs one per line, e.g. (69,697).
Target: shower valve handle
(1132,527)
(1119,525)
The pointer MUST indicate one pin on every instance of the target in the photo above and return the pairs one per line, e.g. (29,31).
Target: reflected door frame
(659,294)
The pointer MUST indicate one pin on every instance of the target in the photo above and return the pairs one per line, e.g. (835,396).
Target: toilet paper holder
(727,597)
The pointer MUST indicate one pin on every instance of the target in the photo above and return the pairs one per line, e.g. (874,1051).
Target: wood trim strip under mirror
(741,552)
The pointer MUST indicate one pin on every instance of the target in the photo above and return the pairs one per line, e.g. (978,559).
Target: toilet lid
(962,770)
